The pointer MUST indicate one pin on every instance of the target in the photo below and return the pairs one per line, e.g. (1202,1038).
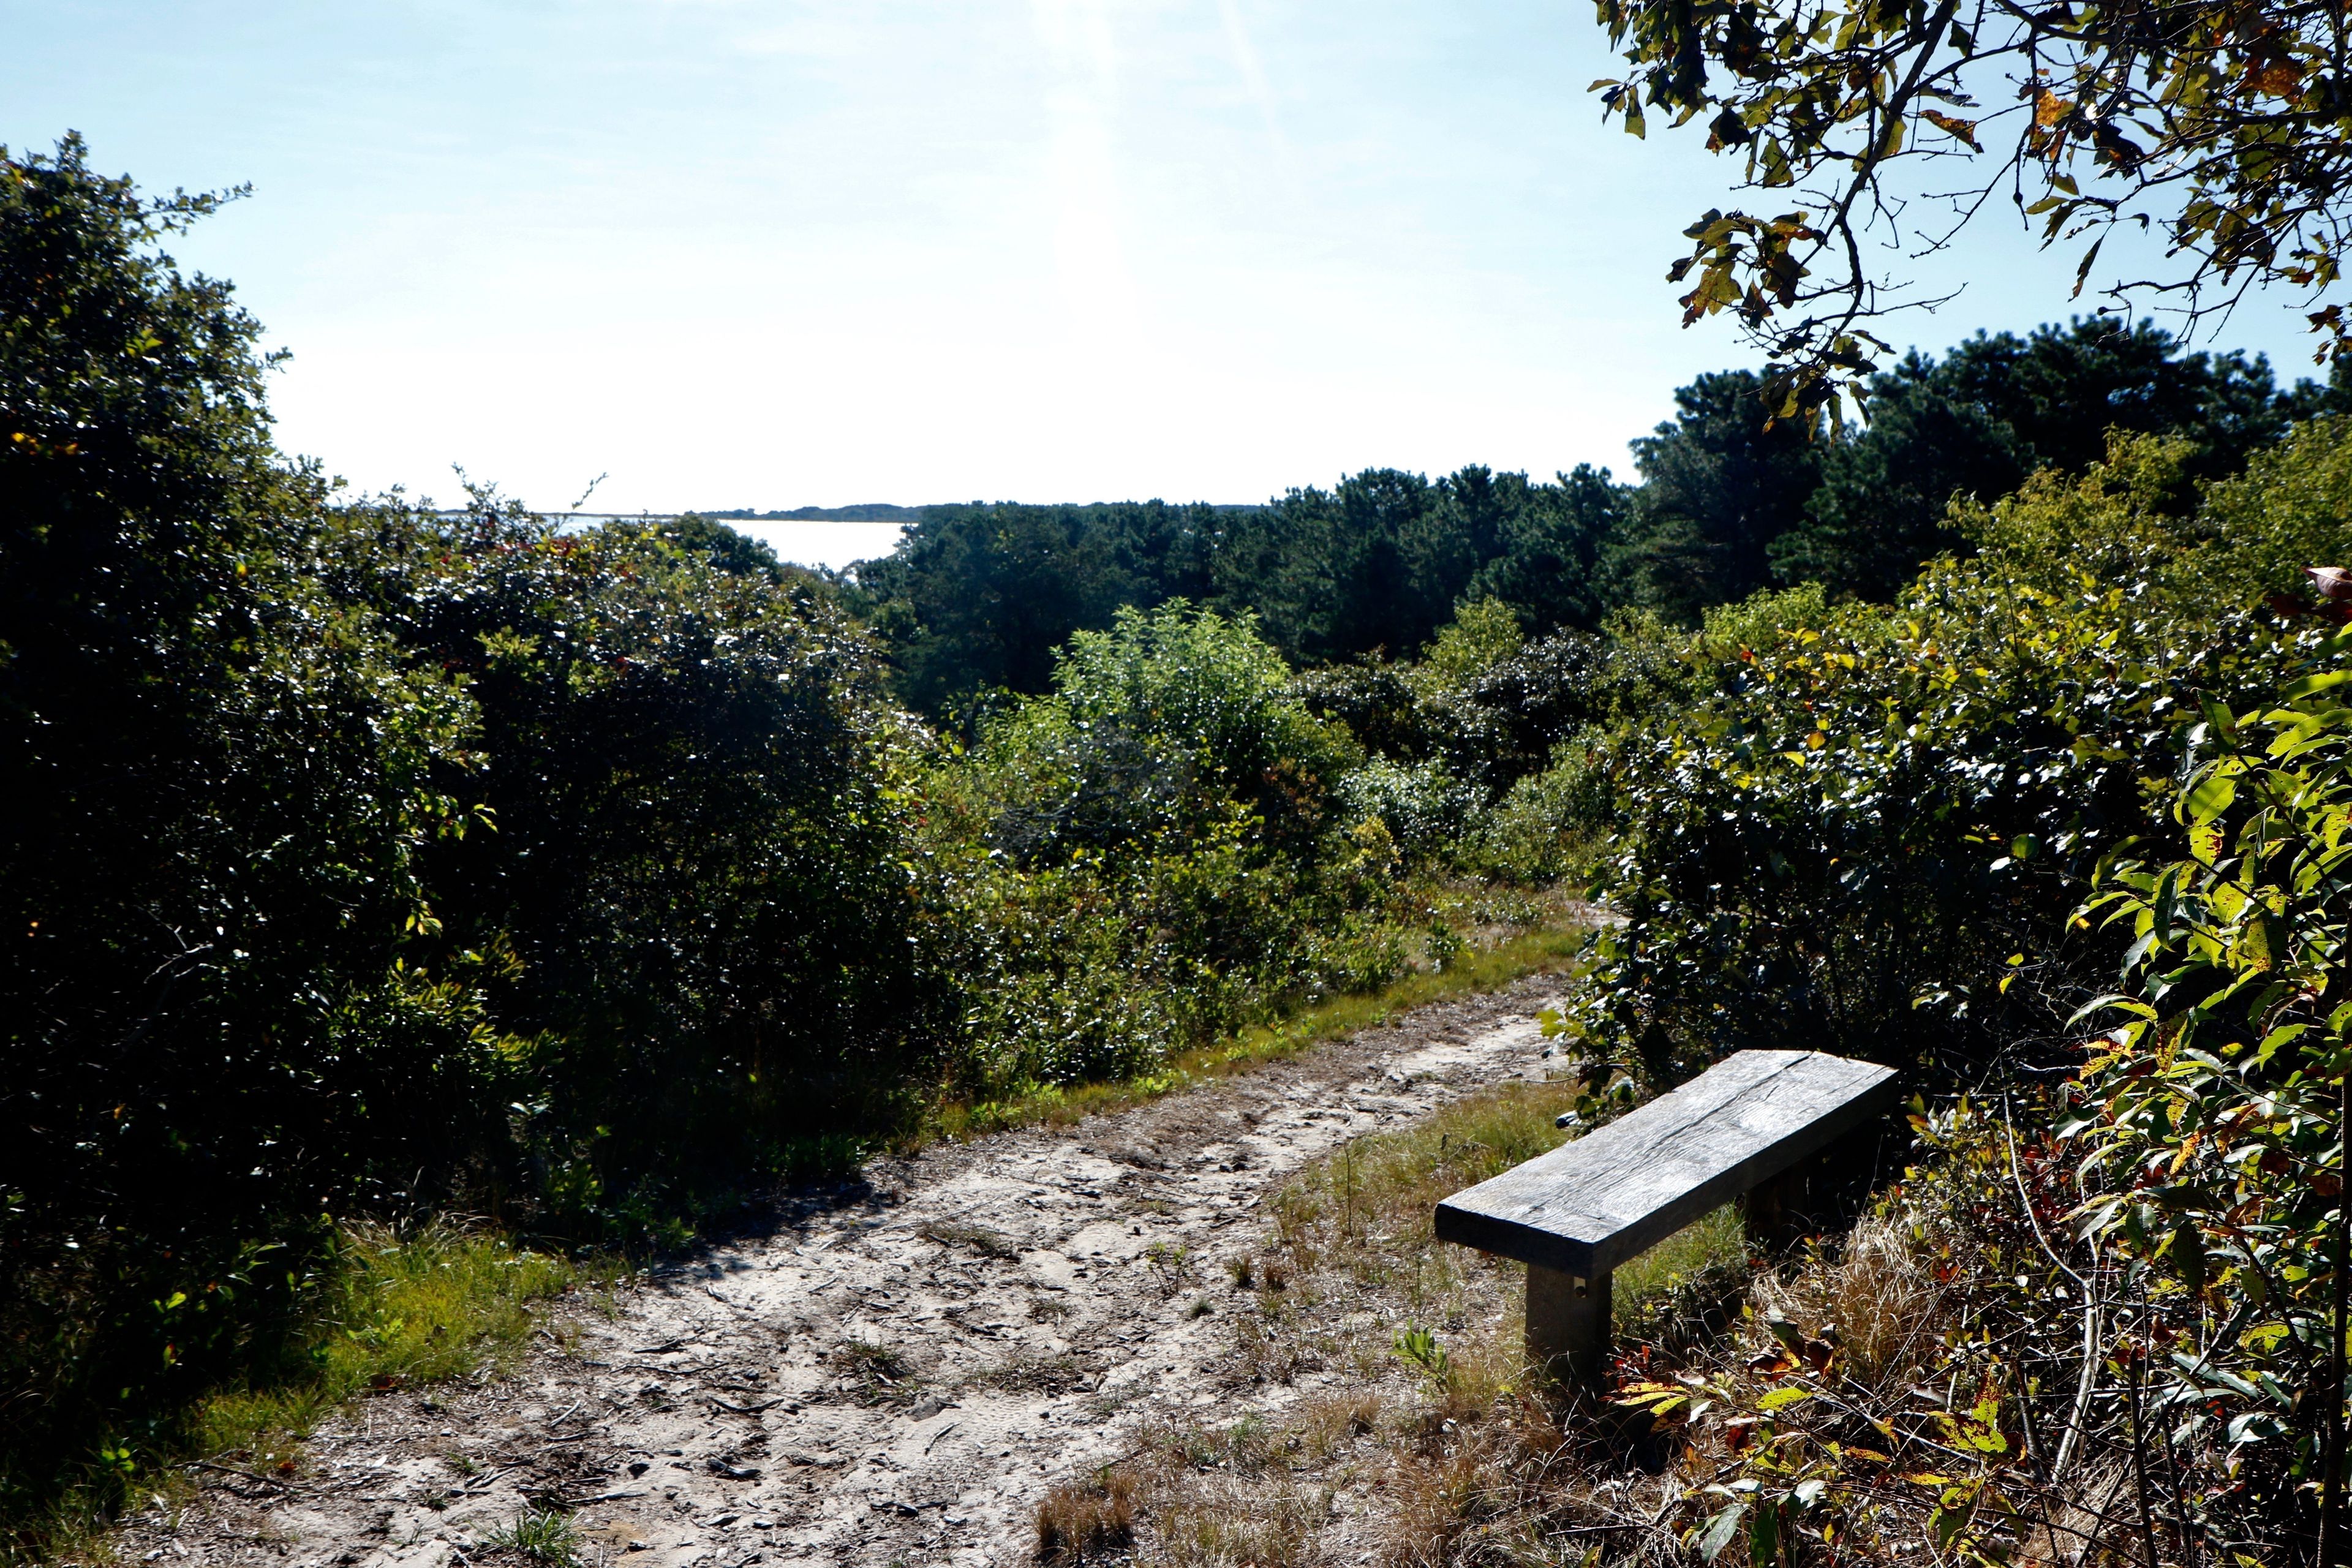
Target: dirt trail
(899,1370)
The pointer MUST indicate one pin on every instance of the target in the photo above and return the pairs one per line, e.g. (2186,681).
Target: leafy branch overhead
(2217,127)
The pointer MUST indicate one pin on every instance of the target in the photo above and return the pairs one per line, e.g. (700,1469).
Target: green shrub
(1424,808)
(1548,824)
(697,885)
(222,779)
(1865,837)
(2209,1118)
(1155,726)
(545,1537)
(1146,857)
(1482,634)
(1758,620)
(2290,509)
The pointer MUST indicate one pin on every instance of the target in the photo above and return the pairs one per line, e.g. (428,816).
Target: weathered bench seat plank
(1591,1204)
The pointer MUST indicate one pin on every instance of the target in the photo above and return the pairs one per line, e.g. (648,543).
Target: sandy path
(899,1370)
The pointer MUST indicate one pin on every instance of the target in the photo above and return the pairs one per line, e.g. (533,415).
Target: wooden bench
(1737,1131)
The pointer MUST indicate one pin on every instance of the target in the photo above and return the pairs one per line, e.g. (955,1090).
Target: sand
(893,1370)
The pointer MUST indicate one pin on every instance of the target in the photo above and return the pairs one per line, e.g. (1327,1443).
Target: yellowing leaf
(2280,77)
(1965,129)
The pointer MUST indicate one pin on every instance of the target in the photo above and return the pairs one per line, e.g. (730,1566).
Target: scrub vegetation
(376,862)
(408,904)
(2062,832)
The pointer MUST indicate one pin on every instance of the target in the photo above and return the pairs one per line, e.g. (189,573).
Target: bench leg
(1567,1326)
(1772,1212)
(1821,1193)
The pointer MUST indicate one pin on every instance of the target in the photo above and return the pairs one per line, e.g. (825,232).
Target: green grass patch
(1466,972)
(388,1311)
(440,1304)
(1703,1259)
(543,1537)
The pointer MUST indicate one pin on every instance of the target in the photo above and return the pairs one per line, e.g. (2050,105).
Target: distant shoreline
(863,512)
(876,513)
(867,511)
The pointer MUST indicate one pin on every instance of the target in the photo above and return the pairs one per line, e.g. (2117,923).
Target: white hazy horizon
(777,253)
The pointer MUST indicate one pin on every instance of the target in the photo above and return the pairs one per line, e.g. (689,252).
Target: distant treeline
(977,598)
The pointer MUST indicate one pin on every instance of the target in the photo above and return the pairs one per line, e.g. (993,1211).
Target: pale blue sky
(766,253)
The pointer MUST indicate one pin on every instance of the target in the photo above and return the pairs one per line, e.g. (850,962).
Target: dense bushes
(222,781)
(1145,856)
(1939,835)
(1864,835)
(1483,752)
(2212,1117)
(689,898)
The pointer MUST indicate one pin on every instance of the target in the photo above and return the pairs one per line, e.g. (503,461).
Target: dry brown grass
(1879,1299)
(1326,1426)
(1451,1458)
(1436,1504)
(1226,1521)
(1087,1522)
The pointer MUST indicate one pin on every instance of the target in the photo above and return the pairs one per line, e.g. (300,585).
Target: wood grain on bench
(1591,1204)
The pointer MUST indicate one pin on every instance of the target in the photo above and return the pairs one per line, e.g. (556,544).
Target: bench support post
(1814,1194)
(1772,1212)
(1567,1325)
